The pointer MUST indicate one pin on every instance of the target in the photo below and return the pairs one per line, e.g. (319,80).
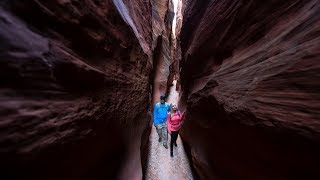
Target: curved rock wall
(162,16)
(177,43)
(74,88)
(251,84)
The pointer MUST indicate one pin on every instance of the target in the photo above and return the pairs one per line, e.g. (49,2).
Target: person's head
(174,108)
(162,98)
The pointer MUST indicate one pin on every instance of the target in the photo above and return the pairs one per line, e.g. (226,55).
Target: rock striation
(162,16)
(75,81)
(250,83)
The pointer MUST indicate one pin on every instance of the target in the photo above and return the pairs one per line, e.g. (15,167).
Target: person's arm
(155,111)
(168,118)
(182,117)
(169,108)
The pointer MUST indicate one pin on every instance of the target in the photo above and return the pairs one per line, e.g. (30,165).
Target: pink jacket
(174,121)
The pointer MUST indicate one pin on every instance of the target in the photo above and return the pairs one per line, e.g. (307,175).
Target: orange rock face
(251,84)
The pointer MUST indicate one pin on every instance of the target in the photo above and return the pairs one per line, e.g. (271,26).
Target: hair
(177,111)
(163,96)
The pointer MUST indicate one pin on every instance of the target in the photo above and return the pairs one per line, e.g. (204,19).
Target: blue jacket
(160,113)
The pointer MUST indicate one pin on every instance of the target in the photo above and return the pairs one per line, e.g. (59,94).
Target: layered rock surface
(250,80)
(176,54)
(74,89)
(162,16)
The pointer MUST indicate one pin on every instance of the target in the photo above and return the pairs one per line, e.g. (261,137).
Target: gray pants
(162,132)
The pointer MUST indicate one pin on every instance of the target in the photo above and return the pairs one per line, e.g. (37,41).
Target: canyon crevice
(162,16)
(78,81)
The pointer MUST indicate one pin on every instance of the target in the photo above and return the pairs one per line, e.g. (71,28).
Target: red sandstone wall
(162,16)
(250,79)
(74,89)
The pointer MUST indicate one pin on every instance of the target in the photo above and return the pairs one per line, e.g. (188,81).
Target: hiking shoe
(166,146)
(159,140)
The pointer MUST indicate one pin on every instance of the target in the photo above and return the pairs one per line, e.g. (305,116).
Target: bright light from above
(175,6)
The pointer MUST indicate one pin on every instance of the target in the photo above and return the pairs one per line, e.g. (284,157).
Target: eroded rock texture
(250,78)
(74,88)
(162,16)
(176,54)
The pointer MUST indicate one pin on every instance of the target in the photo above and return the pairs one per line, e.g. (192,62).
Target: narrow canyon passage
(160,165)
(79,79)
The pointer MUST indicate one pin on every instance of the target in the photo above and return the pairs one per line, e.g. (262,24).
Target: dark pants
(174,137)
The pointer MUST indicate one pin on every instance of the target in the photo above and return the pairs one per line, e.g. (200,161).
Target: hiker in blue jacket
(160,113)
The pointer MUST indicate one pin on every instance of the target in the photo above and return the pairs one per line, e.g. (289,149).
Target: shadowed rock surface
(250,80)
(74,88)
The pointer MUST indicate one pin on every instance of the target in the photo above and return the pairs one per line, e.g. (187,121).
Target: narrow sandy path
(161,166)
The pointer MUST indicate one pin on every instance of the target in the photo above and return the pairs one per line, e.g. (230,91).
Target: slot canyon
(79,79)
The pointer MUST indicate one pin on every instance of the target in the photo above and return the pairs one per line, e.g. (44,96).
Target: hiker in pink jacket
(174,124)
